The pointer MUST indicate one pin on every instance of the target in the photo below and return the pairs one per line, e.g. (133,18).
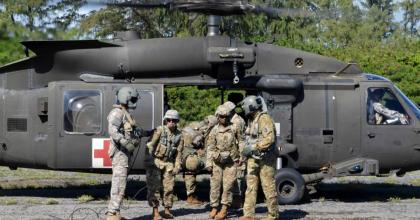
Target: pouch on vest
(224,157)
(160,151)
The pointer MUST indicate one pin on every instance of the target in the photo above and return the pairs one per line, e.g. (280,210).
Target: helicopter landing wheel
(290,186)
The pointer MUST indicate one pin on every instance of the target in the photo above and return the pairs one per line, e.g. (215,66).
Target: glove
(128,144)
(130,147)
(247,151)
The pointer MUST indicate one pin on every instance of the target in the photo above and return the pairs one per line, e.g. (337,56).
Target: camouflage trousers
(261,170)
(223,177)
(239,186)
(190,183)
(159,177)
(120,162)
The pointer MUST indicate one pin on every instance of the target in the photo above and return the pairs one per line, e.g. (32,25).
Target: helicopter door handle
(371,135)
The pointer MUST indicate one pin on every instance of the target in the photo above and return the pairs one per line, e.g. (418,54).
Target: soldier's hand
(130,146)
(247,151)
(123,142)
(176,170)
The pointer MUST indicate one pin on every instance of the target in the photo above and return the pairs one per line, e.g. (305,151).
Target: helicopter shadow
(362,192)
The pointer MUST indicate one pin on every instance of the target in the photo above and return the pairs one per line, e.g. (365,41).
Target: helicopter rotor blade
(133,3)
(278,12)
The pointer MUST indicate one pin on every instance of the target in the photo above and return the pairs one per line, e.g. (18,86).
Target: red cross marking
(104,154)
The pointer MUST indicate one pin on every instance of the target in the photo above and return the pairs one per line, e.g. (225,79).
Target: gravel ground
(338,198)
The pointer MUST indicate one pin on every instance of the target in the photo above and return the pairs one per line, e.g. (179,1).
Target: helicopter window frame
(387,96)
(71,95)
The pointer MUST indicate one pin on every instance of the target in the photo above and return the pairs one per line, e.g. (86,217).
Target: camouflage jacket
(390,115)
(120,125)
(261,131)
(239,122)
(223,140)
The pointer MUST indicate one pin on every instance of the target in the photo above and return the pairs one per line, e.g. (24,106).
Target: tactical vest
(226,145)
(253,133)
(126,128)
(167,147)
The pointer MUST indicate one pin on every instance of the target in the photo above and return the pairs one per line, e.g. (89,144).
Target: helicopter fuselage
(55,104)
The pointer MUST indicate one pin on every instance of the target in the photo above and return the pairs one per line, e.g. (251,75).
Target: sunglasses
(172,120)
(223,116)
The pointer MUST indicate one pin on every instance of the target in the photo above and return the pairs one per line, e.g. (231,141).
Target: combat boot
(113,217)
(223,213)
(213,213)
(268,218)
(167,214)
(120,217)
(155,214)
(192,200)
(246,218)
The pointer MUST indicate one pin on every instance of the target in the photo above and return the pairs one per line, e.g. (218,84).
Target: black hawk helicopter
(54,104)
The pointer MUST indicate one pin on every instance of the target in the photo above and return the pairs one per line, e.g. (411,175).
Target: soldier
(384,115)
(121,127)
(238,187)
(259,149)
(193,154)
(222,154)
(163,164)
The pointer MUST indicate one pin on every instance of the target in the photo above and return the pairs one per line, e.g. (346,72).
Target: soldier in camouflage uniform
(164,162)
(239,186)
(222,156)
(195,136)
(121,127)
(382,114)
(261,164)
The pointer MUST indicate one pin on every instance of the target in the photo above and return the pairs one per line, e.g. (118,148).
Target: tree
(411,17)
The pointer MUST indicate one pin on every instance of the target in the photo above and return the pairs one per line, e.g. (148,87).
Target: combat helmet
(251,104)
(171,114)
(127,96)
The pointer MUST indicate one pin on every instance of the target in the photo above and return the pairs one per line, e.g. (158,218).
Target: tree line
(382,36)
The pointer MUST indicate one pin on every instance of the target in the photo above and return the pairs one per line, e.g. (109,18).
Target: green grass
(34,201)
(9,202)
(23,178)
(415,182)
(51,202)
(394,199)
(85,198)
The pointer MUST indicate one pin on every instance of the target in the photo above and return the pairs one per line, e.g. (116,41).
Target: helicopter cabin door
(81,126)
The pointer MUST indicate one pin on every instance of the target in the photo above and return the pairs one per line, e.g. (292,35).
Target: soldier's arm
(151,145)
(114,123)
(385,111)
(211,143)
(266,133)
(178,159)
(239,139)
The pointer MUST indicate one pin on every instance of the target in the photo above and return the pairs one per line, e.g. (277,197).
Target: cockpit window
(384,108)
(410,104)
(82,111)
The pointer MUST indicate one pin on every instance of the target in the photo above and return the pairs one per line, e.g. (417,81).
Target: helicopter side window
(82,111)
(384,108)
